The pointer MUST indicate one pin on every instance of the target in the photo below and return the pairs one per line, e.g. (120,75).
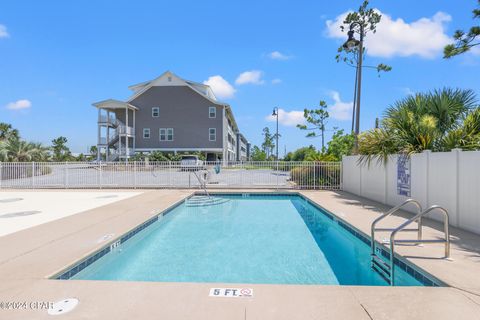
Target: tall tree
(268,144)
(317,119)
(464,41)
(60,150)
(364,21)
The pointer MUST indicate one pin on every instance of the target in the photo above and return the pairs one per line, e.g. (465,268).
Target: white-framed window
(170,134)
(146,133)
(212,112)
(212,134)
(155,112)
(166,134)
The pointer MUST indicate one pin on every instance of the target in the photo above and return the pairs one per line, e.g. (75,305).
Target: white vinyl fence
(292,175)
(449,179)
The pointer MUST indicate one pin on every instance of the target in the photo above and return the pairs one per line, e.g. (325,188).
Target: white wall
(449,179)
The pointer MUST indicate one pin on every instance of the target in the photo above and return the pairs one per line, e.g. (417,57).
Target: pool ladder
(387,268)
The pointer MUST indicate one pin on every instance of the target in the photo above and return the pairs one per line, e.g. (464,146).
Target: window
(212,112)
(169,134)
(212,134)
(146,133)
(155,112)
(166,134)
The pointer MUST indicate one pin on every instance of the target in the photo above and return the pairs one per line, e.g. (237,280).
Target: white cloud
(340,110)
(276,81)
(277,55)
(253,77)
(287,118)
(221,88)
(424,37)
(3,31)
(19,104)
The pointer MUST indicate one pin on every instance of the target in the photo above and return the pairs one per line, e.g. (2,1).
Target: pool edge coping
(97,253)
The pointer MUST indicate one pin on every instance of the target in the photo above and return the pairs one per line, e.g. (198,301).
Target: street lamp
(275,114)
(350,45)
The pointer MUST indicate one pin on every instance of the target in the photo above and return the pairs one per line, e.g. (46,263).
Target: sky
(58,57)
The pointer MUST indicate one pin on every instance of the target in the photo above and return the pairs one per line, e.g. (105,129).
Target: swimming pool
(251,238)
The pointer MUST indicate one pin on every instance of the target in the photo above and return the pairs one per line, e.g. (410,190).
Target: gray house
(169,114)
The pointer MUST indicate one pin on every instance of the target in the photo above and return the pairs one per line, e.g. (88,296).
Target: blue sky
(57,57)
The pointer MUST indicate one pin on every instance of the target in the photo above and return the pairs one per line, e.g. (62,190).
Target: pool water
(248,239)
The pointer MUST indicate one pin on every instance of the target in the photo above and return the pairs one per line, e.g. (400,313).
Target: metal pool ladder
(387,269)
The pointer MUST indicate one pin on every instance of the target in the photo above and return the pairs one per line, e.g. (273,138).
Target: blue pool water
(253,239)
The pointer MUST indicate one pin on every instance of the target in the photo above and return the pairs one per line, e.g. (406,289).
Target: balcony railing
(107,120)
(125,130)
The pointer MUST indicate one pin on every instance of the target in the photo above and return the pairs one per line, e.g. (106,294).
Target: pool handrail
(446,225)
(389,213)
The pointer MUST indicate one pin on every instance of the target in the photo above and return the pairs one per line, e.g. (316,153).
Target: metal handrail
(202,184)
(446,224)
(389,213)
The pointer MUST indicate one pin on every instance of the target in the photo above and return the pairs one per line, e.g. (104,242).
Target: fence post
(457,187)
(135,174)
(33,174)
(66,175)
(277,172)
(314,175)
(100,177)
(1,174)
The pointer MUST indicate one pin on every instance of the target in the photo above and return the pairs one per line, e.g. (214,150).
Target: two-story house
(169,114)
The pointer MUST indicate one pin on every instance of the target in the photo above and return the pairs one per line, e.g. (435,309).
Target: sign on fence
(403,175)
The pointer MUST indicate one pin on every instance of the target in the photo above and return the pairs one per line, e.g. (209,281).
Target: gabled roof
(168,78)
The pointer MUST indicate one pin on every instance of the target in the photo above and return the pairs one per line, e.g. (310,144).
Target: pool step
(200,201)
(382,267)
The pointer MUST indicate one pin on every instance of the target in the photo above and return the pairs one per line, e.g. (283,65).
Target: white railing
(103,118)
(133,174)
(125,130)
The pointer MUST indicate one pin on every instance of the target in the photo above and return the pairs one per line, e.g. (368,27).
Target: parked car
(191,163)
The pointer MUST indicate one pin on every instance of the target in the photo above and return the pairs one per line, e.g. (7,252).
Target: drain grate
(63,306)
(10,200)
(19,214)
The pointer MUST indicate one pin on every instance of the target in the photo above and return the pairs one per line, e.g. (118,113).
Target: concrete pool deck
(30,256)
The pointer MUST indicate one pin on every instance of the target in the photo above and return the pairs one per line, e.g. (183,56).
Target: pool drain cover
(10,200)
(63,306)
(19,214)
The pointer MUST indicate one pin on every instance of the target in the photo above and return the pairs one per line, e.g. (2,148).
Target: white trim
(158,112)
(210,112)
(214,134)
(149,133)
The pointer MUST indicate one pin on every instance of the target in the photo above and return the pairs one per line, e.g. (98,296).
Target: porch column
(134,131)
(107,150)
(126,133)
(98,136)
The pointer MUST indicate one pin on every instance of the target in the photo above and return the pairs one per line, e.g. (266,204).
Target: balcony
(104,119)
(122,129)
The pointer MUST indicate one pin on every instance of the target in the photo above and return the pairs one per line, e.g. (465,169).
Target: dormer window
(155,112)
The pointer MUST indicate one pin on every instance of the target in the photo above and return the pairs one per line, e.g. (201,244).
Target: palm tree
(16,150)
(7,132)
(439,121)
